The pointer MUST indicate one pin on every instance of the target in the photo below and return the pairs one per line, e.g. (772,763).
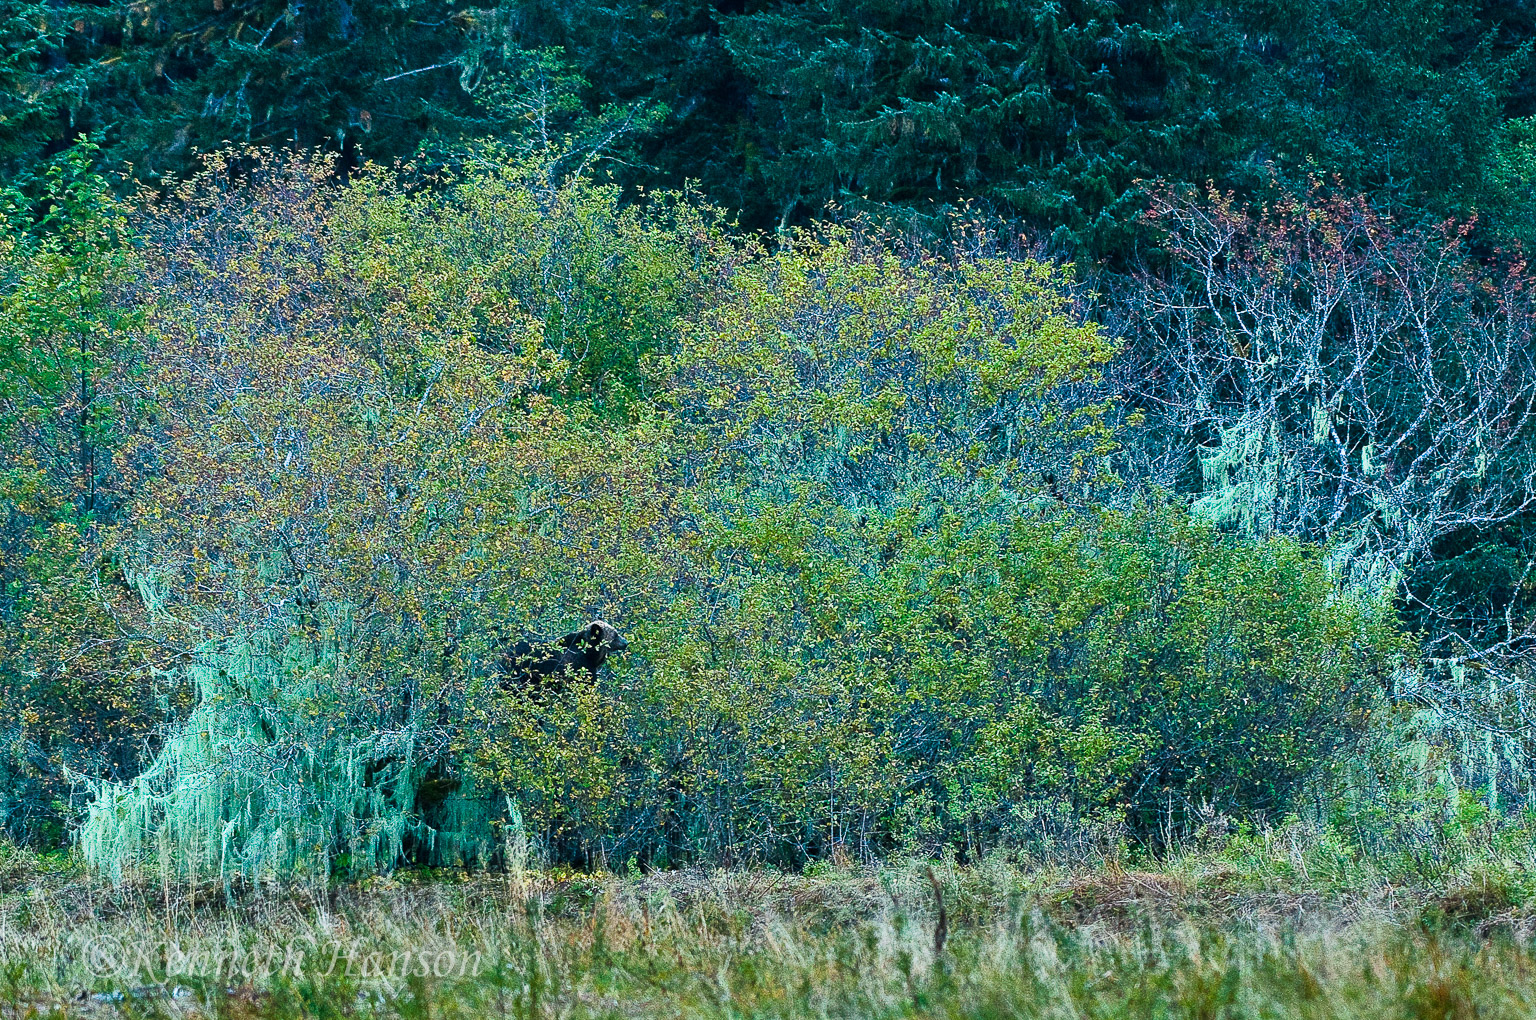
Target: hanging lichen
(277,772)
(1244,475)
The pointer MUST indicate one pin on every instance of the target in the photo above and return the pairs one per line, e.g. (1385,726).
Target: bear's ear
(595,631)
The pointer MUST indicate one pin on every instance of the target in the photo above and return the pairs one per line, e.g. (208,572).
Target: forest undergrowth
(993,643)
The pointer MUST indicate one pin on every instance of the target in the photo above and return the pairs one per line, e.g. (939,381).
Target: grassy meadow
(1277,924)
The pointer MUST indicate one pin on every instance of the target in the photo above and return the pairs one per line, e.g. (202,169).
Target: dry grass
(854,943)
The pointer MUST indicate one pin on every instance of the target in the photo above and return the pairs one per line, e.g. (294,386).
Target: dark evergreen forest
(1049,114)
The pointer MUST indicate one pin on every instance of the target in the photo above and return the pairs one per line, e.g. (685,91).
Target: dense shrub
(74,688)
(848,500)
(1113,662)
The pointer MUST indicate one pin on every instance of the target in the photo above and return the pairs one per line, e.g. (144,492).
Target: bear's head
(603,638)
(594,643)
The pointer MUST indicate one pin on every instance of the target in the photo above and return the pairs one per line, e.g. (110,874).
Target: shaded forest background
(989,424)
(1048,113)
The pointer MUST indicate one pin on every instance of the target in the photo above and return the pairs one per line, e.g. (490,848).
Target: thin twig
(419,70)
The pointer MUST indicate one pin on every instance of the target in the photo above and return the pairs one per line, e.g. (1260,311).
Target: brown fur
(532,664)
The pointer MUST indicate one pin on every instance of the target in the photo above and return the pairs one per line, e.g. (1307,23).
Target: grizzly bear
(532,664)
